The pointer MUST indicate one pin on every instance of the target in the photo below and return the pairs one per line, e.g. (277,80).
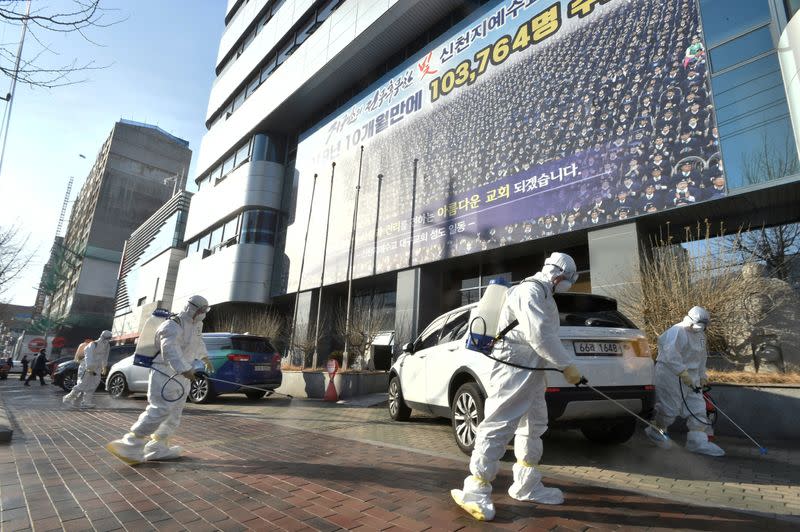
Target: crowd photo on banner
(607,117)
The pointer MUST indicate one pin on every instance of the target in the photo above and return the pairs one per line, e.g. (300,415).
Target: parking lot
(299,464)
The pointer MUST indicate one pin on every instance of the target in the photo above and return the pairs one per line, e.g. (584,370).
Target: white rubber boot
(658,439)
(528,486)
(129,449)
(70,400)
(475,498)
(697,442)
(159,449)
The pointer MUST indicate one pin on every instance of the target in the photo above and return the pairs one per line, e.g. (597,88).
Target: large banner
(532,118)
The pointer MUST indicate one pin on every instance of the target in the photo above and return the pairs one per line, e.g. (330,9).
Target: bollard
(330,393)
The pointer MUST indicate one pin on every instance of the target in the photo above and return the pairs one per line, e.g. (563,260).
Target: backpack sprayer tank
(146,348)
(485,317)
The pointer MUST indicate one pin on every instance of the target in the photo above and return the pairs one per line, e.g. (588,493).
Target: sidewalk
(243,471)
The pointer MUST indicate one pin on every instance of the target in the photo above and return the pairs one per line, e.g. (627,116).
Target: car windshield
(252,345)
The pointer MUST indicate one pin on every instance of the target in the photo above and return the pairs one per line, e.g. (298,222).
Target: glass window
(792,7)
(326,10)
(723,19)
(306,30)
(231,229)
(456,327)
(285,51)
(258,227)
(741,49)
(227,166)
(276,6)
(254,84)
(215,238)
(753,120)
(268,68)
(274,151)
(216,173)
(205,241)
(239,100)
(430,337)
(242,154)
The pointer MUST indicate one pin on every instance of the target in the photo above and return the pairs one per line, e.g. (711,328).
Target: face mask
(563,286)
(698,327)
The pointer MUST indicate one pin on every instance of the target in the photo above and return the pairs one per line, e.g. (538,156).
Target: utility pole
(322,277)
(300,277)
(351,259)
(10,97)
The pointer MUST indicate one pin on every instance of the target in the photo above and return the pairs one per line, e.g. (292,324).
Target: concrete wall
(765,412)
(239,273)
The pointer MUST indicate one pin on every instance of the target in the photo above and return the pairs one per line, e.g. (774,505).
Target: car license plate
(597,348)
(262,367)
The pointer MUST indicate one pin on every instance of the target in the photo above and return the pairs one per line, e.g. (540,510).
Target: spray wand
(486,349)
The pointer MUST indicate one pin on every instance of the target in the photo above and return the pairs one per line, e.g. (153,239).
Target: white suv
(437,374)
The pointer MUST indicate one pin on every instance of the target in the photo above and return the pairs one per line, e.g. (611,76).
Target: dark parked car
(53,364)
(66,373)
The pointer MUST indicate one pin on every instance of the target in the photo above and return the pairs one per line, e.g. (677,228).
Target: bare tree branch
(44,23)
(14,258)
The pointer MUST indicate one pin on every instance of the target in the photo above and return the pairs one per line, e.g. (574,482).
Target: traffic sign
(58,342)
(36,344)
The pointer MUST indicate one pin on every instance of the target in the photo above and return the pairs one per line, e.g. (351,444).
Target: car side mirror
(408,348)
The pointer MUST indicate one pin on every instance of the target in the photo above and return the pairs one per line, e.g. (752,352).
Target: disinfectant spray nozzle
(762,451)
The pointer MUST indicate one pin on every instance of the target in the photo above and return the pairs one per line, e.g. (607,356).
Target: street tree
(368,316)
(14,257)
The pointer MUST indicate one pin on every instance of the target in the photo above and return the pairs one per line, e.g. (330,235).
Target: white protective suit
(682,356)
(181,343)
(90,372)
(516,397)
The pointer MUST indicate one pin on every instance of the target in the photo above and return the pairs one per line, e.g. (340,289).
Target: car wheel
(69,381)
(398,410)
(201,391)
(254,395)
(610,434)
(467,413)
(117,386)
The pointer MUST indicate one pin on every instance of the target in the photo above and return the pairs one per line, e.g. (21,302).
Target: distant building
(149,267)
(14,319)
(137,170)
(41,293)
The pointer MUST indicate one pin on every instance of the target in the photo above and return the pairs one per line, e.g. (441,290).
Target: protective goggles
(572,278)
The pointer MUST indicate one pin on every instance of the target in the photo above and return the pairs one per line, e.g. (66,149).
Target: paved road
(302,465)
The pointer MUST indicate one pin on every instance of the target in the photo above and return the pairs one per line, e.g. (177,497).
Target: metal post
(377,218)
(413,213)
(322,277)
(351,257)
(300,278)
(7,116)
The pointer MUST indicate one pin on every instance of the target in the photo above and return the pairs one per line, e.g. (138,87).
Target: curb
(6,428)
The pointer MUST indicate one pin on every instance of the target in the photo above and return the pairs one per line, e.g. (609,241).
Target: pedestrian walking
(38,368)
(24,363)
(180,339)
(92,366)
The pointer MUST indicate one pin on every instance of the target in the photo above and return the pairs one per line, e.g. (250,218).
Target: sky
(159,63)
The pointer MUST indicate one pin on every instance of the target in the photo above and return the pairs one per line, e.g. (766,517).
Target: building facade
(137,170)
(419,148)
(149,267)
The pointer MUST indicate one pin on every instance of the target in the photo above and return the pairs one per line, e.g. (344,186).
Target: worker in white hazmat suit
(516,404)
(181,343)
(90,371)
(680,367)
